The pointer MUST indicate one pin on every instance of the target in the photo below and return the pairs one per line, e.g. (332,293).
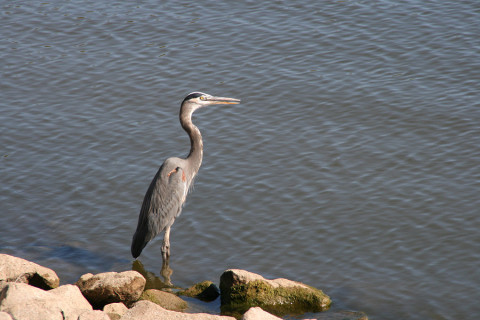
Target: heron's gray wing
(161,205)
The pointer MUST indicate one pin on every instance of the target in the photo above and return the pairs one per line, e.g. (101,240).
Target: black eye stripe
(193,95)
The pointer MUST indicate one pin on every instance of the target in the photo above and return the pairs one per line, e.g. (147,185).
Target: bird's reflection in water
(153,281)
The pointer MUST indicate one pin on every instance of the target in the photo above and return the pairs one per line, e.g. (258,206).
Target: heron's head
(199,99)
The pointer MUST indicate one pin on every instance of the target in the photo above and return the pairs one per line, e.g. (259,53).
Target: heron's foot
(166,252)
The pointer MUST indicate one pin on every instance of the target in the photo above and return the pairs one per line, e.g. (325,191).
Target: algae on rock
(205,291)
(241,290)
(164,299)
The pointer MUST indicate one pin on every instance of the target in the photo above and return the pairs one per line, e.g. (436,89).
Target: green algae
(277,300)
(164,299)
(205,291)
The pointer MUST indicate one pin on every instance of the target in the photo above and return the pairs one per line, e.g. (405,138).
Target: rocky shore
(30,291)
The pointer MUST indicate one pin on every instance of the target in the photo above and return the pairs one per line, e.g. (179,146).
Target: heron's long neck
(196,143)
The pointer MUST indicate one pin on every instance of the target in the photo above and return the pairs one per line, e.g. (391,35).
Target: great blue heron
(168,190)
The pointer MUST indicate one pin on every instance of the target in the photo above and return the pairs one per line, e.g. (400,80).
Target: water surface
(352,163)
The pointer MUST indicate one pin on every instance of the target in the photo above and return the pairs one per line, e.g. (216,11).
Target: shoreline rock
(22,299)
(147,310)
(13,269)
(110,287)
(164,299)
(255,313)
(205,291)
(241,289)
(115,310)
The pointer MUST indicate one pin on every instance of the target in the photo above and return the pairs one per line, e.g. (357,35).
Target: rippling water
(352,163)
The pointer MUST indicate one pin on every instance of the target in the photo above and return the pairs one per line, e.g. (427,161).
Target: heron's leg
(166,244)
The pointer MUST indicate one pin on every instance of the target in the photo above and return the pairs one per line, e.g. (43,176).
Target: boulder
(164,299)
(147,310)
(13,269)
(241,290)
(115,310)
(93,315)
(109,287)
(5,316)
(23,301)
(205,291)
(256,313)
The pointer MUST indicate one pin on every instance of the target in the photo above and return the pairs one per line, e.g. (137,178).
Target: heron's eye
(203,98)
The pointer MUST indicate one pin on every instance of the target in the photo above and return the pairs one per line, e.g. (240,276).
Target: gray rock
(23,301)
(241,290)
(164,299)
(147,310)
(13,269)
(110,287)
(115,310)
(93,315)
(256,313)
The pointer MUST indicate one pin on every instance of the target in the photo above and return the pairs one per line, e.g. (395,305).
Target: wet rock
(241,289)
(93,315)
(256,313)
(147,310)
(153,281)
(115,310)
(23,301)
(13,269)
(164,299)
(205,291)
(109,287)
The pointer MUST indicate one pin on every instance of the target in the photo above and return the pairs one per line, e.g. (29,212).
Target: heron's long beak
(223,100)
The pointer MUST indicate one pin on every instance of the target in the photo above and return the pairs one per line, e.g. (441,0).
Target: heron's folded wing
(161,205)
(164,198)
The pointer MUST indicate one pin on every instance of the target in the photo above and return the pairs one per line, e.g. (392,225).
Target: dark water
(352,164)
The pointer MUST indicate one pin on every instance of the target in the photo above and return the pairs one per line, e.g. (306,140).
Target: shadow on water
(84,257)
(74,255)
(69,261)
